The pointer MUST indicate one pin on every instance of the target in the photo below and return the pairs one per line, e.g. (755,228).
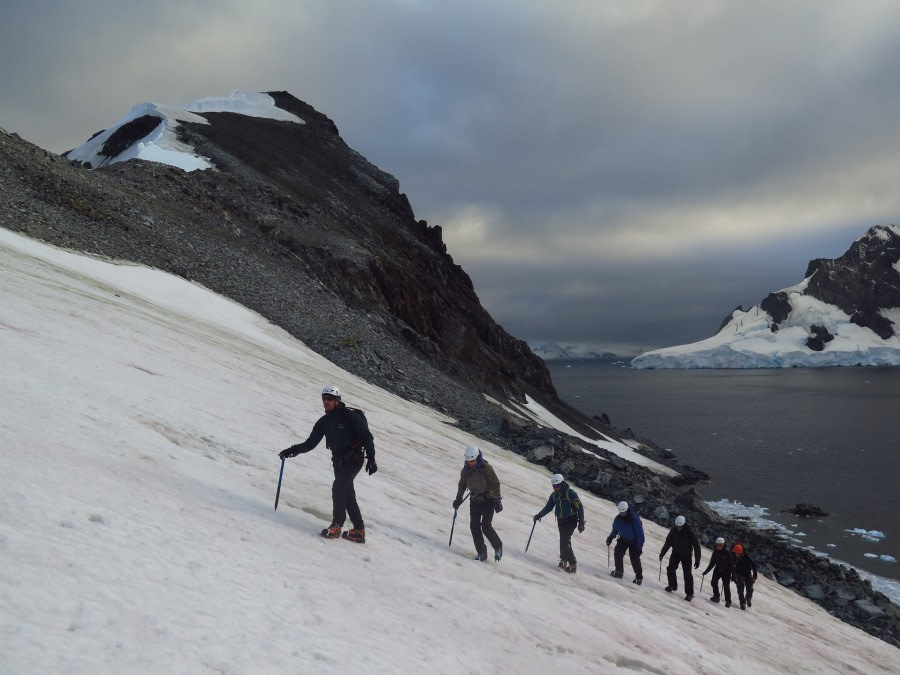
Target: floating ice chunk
(888,558)
(873,535)
(870,555)
(831,545)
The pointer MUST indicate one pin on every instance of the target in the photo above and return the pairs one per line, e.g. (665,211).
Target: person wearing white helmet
(628,527)
(569,512)
(721,562)
(484,489)
(682,540)
(347,435)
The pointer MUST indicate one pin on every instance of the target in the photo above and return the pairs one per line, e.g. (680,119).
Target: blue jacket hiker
(628,527)
(569,512)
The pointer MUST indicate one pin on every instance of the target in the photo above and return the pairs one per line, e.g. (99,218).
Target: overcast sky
(618,173)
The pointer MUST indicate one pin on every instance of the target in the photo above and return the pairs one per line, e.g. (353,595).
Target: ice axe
(530,535)
(454,518)
(278,491)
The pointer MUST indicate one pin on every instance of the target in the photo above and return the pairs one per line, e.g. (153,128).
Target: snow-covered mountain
(553,351)
(140,419)
(844,313)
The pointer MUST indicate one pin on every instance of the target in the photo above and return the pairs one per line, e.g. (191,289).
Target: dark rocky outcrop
(777,306)
(819,337)
(806,510)
(862,281)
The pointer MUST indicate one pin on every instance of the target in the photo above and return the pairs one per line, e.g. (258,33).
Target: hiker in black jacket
(744,575)
(347,435)
(722,564)
(682,541)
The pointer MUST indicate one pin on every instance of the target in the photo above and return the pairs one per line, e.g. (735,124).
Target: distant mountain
(553,351)
(845,312)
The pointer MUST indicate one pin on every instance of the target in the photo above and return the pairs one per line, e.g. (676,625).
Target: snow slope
(141,417)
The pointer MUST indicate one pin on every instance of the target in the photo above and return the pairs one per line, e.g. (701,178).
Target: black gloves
(697,564)
(662,555)
(284,454)
(535,519)
(640,551)
(609,540)
(498,505)
(581,526)
(457,503)
(371,467)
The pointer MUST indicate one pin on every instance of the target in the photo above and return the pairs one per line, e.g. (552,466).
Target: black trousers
(566,529)
(675,560)
(744,583)
(726,583)
(633,554)
(481,513)
(343,494)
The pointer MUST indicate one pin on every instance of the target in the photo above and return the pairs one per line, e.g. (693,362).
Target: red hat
(738,548)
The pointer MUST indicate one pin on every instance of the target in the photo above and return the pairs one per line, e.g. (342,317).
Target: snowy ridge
(141,417)
(161,144)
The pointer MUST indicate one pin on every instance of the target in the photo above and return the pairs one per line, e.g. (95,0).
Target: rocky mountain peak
(291,222)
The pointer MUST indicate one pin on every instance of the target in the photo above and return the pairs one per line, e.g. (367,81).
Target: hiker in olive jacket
(569,512)
(682,540)
(721,562)
(484,489)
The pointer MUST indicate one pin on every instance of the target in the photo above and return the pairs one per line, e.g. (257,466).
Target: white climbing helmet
(623,507)
(331,390)
(556,479)
(472,453)
(720,540)
(679,521)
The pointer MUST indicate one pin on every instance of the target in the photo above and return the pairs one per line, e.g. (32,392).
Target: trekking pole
(702,579)
(278,491)
(454,518)
(607,556)
(530,535)
(660,570)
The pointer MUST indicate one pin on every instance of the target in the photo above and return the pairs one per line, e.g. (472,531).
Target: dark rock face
(819,337)
(777,306)
(861,281)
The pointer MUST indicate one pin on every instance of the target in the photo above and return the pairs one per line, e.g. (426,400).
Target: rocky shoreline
(838,588)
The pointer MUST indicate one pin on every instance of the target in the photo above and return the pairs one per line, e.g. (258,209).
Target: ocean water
(770,438)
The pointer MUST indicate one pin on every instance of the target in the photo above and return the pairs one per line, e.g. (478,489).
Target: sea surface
(770,438)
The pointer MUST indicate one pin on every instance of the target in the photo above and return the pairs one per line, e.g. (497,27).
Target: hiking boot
(359,536)
(617,574)
(481,556)
(637,580)
(669,589)
(743,605)
(332,531)
(498,554)
(563,565)
(714,598)
(689,597)
(572,568)
(728,603)
(749,604)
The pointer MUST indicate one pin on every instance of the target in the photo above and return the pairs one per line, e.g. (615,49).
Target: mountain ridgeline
(296,225)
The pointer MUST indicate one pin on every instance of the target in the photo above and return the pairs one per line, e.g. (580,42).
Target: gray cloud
(615,173)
